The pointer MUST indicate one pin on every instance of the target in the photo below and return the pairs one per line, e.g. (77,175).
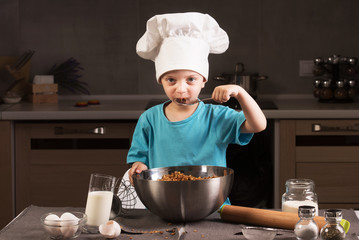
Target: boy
(178,132)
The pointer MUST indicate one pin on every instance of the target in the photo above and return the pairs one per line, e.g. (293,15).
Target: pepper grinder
(340,92)
(326,92)
(318,69)
(317,86)
(352,90)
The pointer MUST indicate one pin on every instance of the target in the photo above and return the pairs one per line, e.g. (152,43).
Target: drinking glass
(99,200)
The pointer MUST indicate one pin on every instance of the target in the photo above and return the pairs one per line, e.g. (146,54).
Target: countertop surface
(140,224)
(132,106)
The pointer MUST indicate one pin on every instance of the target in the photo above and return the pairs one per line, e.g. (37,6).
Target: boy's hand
(223,93)
(137,167)
(255,119)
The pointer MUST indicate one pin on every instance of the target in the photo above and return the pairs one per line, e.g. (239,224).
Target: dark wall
(268,36)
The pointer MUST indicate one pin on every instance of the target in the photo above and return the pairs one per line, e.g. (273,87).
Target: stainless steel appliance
(246,80)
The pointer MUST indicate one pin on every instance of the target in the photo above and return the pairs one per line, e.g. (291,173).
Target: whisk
(126,198)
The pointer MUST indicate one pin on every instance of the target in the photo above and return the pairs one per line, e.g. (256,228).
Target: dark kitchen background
(269,36)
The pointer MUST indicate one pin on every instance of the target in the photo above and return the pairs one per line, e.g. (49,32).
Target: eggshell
(53,220)
(111,229)
(69,224)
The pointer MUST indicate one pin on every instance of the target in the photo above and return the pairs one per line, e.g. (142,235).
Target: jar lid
(340,83)
(333,213)
(306,211)
(300,182)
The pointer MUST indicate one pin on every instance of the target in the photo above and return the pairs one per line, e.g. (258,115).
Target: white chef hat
(182,41)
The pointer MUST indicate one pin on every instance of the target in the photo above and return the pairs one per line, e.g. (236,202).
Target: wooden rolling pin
(263,217)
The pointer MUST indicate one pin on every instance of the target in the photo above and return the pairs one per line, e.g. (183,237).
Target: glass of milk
(299,192)
(99,200)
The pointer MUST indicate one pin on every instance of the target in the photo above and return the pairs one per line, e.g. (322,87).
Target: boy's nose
(181,87)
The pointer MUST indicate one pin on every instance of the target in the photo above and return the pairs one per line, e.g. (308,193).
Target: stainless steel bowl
(184,201)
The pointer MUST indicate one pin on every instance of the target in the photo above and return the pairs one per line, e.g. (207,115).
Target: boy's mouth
(181,100)
(184,101)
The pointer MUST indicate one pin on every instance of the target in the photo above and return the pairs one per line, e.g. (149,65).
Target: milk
(292,206)
(98,207)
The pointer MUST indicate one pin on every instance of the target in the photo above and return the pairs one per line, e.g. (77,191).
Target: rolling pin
(263,217)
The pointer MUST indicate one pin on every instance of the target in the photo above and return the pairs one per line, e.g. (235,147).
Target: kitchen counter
(109,109)
(306,107)
(141,224)
(132,106)
(3,107)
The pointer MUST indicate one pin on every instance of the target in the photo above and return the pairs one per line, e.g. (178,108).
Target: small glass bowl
(259,233)
(63,229)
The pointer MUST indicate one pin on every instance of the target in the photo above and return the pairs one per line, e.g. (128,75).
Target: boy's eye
(191,79)
(170,80)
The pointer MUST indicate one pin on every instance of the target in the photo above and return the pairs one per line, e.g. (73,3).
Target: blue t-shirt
(201,139)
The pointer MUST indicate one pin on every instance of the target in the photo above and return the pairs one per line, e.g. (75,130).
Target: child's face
(184,85)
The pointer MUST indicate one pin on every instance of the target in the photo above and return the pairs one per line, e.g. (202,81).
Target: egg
(69,224)
(68,219)
(111,229)
(53,220)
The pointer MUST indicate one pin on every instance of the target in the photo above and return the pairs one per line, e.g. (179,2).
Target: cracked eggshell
(111,229)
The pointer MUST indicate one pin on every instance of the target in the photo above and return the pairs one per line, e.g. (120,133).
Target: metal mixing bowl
(184,201)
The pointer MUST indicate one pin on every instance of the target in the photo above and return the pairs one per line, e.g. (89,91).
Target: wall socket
(306,68)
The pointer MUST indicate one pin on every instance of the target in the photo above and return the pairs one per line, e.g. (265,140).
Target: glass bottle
(326,92)
(299,192)
(352,90)
(332,230)
(306,228)
(340,92)
(318,69)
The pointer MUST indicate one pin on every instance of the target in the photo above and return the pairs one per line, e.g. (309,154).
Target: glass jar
(352,90)
(299,192)
(340,92)
(306,228)
(326,92)
(332,230)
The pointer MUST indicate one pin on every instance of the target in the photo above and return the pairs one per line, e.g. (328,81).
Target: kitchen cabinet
(54,160)
(325,151)
(6,174)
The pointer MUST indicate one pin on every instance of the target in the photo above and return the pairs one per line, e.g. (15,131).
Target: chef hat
(182,41)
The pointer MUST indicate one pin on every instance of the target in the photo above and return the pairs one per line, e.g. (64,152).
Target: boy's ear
(204,82)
